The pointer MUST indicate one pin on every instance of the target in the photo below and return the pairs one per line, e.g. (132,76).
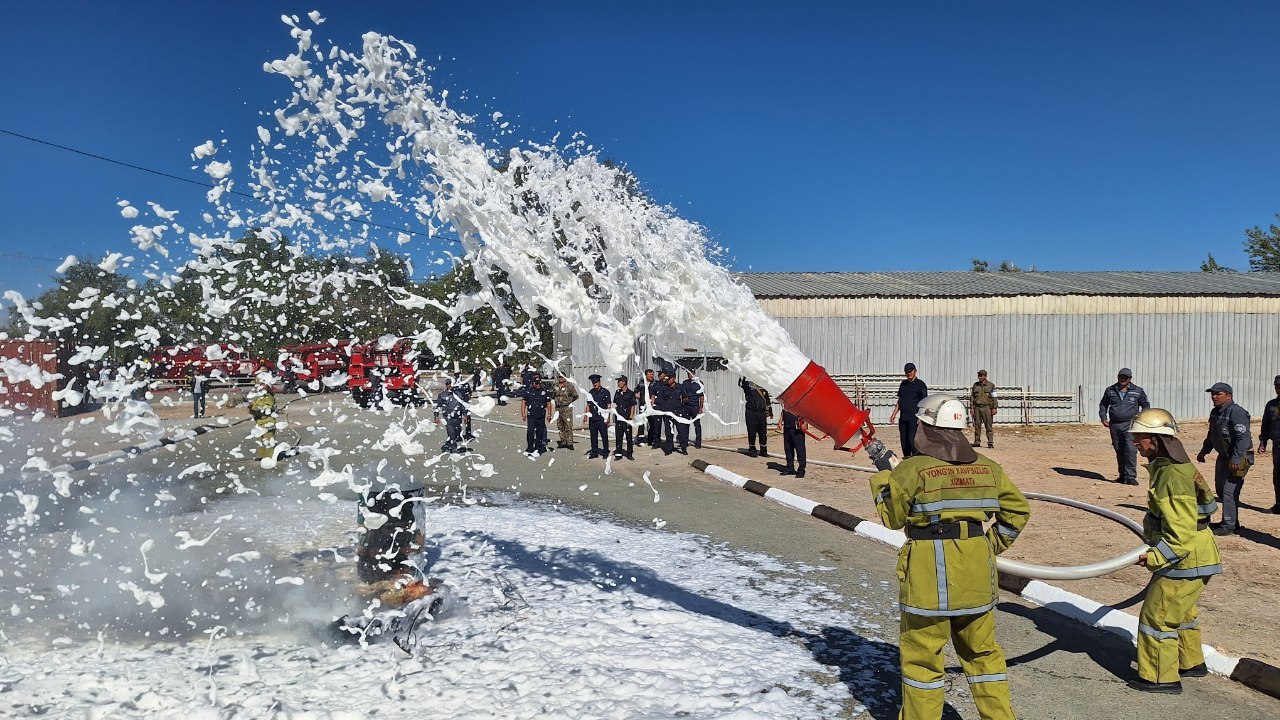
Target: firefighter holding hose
(1183,556)
(946,569)
(262,408)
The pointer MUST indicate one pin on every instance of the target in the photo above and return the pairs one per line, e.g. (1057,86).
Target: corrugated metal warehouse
(1051,341)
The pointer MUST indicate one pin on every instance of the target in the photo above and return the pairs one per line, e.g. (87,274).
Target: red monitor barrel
(815,397)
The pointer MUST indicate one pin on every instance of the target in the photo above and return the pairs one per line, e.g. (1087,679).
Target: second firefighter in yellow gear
(946,569)
(1183,555)
(262,407)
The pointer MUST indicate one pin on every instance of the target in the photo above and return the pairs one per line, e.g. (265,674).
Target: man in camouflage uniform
(564,395)
(982,398)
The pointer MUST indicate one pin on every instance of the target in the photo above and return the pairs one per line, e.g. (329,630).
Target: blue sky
(804,136)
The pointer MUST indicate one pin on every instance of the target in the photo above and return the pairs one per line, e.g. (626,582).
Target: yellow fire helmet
(1154,422)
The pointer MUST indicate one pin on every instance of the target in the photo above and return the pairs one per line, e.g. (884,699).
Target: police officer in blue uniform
(1229,436)
(696,399)
(624,408)
(535,410)
(450,406)
(1271,433)
(599,405)
(642,402)
(670,401)
(911,391)
(1120,404)
(656,421)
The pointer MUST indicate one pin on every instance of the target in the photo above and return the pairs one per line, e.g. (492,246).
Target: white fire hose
(1076,572)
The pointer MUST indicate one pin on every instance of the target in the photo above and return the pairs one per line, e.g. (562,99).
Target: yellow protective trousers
(1168,628)
(267,440)
(920,643)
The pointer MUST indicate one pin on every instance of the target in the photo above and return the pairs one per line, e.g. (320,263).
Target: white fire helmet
(1154,422)
(942,411)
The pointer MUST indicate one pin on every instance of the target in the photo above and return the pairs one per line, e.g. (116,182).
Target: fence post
(1080,404)
(1026,405)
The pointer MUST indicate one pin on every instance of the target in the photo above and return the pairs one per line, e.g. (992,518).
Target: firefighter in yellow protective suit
(1182,555)
(262,407)
(947,568)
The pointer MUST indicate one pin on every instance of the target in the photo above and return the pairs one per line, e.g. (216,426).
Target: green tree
(1212,265)
(980,265)
(1263,248)
(1009,266)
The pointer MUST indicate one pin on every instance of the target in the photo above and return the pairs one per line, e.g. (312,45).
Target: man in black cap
(1271,433)
(655,420)
(1120,404)
(598,407)
(450,406)
(535,410)
(624,406)
(1229,435)
(910,392)
(696,397)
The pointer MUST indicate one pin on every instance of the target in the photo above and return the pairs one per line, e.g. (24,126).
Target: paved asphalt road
(1059,669)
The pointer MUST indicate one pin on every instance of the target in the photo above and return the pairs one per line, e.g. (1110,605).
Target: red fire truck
(313,363)
(227,362)
(384,368)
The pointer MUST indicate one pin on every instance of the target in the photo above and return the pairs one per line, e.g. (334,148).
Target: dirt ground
(1240,609)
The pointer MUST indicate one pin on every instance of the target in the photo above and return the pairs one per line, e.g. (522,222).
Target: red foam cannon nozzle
(815,397)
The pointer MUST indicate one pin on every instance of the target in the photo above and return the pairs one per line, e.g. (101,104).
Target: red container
(815,397)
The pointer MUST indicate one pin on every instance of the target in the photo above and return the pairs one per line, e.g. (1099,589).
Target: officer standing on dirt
(450,405)
(564,395)
(1229,436)
(1271,433)
(759,413)
(792,428)
(655,420)
(911,392)
(982,398)
(535,410)
(642,402)
(946,569)
(1120,403)
(1182,557)
(599,405)
(695,406)
(624,410)
(670,403)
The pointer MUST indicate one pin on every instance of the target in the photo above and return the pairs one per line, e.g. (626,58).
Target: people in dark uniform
(502,382)
(697,398)
(792,428)
(535,410)
(1229,436)
(642,403)
(599,405)
(669,403)
(1120,403)
(982,400)
(565,395)
(526,375)
(655,418)
(624,410)
(759,413)
(464,390)
(1181,556)
(199,387)
(947,568)
(451,407)
(1271,433)
(910,392)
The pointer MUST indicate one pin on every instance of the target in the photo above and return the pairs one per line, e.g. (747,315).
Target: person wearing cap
(642,405)
(535,410)
(1271,433)
(452,407)
(1120,403)
(671,403)
(1181,556)
(565,395)
(946,569)
(624,407)
(653,388)
(695,405)
(911,392)
(1229,436)
(758,413)
(599,405)
(982,399)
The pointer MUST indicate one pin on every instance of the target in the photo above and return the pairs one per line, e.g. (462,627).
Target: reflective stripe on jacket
(949,577)
(1179,498)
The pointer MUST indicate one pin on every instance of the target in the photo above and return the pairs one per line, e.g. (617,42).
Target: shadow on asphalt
(868,668)
(1107,651)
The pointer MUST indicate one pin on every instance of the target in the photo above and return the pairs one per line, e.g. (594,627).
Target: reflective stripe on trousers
(921,641)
